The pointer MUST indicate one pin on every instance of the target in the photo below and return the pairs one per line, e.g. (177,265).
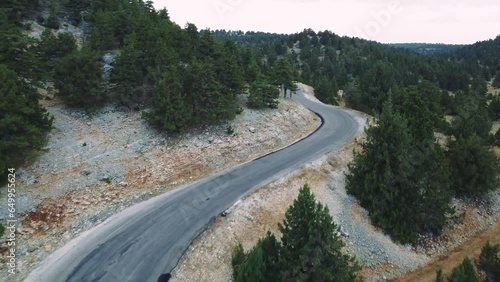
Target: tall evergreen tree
(23,122)
(326,90)
(472,118)
(401,182)
(229,69)
(263,95)
(259,264)
(474,166)
(169,109)
(464,272)
(420,108)
(129,73)
(376,83)
(102,33)
(78,79)
(209,103)
(53,48)
(312,251)
(283,75)
(17,50)
(489,260)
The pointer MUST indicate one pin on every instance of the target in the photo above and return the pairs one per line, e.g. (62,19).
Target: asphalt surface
(148,240)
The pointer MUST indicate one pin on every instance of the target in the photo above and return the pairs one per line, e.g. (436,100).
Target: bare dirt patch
(492,90)
(97,165)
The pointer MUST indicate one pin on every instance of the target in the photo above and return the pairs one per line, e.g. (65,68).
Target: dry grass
(447,262)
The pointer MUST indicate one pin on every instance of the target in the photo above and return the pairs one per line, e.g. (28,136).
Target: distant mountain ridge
(486,54)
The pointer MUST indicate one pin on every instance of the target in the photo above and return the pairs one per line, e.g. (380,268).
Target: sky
(386,21)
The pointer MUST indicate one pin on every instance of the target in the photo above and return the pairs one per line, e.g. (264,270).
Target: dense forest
(426,48)
(403,177)
(182,77)
(483,55)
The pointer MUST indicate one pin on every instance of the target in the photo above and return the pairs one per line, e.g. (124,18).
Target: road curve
(147,240)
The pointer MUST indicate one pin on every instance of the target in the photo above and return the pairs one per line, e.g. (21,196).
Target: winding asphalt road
(147,240)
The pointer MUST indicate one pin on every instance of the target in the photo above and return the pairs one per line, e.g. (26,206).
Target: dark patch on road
(164,277)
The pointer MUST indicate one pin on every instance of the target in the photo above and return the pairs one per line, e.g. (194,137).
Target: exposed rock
(48,248)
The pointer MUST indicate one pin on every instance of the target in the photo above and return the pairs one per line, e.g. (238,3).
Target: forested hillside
(427,49)
(23,122)
(181,77)
(483,55)
(404,177)
(364,70)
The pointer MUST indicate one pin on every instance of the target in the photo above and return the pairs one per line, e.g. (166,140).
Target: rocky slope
(96,165)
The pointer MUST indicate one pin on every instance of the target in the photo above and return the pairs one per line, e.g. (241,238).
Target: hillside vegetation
(182,77)
(403,177)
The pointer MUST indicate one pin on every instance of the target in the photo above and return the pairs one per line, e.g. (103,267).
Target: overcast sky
(388,21)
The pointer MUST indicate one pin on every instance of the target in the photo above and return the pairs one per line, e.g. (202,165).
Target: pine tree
(229,69)
(326,90)
(376,83)
(263,95)
(259,264)
(474,166)
(472,118)
(283,74)
(130,73)
(78,79)
(102,33)
(23,122)
(419,106)
(17,50)
(464,272)
(238,258)
(53,48)
(169,109)
(404,184)
(209,103)
(312,251)
(489,260)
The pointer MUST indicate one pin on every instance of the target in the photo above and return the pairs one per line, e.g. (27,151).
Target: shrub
(489,260)
(464,272)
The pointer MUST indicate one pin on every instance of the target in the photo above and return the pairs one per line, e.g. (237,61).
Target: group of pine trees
(23,122)
(309,249)
(185,77)
(489,263)
(405,178)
